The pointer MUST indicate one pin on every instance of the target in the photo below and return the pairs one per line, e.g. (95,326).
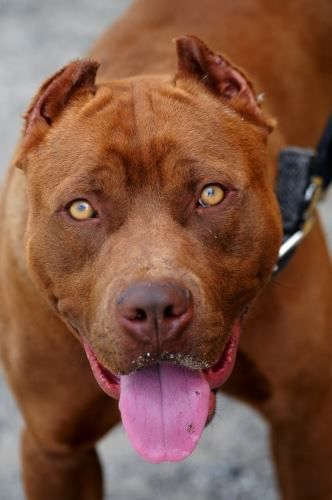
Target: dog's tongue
(164,410)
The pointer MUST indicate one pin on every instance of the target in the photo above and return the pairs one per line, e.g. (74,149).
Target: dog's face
(153,222)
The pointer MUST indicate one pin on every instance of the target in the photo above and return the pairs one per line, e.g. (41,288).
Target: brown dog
(142,225)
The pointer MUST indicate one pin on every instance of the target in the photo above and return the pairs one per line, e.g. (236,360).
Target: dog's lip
(220,371)
(216,375)
(108,381)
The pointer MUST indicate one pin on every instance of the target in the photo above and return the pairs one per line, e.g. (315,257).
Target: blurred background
(232,461)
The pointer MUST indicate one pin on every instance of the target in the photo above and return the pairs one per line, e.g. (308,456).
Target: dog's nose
(155,312)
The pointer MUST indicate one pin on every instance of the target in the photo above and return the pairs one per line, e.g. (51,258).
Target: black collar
(303,179)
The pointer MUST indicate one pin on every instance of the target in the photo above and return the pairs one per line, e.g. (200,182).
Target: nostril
(175,311)
(169,312)
(136,314)
(140,315)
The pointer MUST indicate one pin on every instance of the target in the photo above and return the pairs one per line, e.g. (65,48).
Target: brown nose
(154,312)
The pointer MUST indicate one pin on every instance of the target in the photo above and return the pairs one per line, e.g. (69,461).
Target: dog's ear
(197,61)
(55,93)
(76,78)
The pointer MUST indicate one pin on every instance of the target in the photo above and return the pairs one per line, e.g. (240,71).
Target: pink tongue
(164,410)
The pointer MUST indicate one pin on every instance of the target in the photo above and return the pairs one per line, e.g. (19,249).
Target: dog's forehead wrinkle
(76,184)
(144,116)
(147,111)
(103,98)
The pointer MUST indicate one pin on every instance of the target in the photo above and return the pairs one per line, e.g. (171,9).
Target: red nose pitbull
(139,233)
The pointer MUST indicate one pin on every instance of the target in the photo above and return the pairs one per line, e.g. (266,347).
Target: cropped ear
(220,76)
(52,98)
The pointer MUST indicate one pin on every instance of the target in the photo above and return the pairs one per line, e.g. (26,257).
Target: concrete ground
(232,461)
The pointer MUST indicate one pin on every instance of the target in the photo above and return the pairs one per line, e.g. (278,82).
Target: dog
(140,233)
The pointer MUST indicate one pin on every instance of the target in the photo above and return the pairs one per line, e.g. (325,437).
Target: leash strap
(304,177)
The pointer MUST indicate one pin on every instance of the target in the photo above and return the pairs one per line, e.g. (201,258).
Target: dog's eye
(211,195)
(81,210)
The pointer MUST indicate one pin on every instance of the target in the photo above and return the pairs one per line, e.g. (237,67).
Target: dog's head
(152,225)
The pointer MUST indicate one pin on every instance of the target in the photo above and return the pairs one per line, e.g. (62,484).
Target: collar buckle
(304,177)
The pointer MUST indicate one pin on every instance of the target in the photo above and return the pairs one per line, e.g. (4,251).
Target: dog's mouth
(165,406)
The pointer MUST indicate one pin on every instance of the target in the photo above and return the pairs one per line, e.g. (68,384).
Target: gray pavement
(232,461)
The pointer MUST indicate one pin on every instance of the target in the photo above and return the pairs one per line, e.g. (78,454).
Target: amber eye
(81,210)
(211,195)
